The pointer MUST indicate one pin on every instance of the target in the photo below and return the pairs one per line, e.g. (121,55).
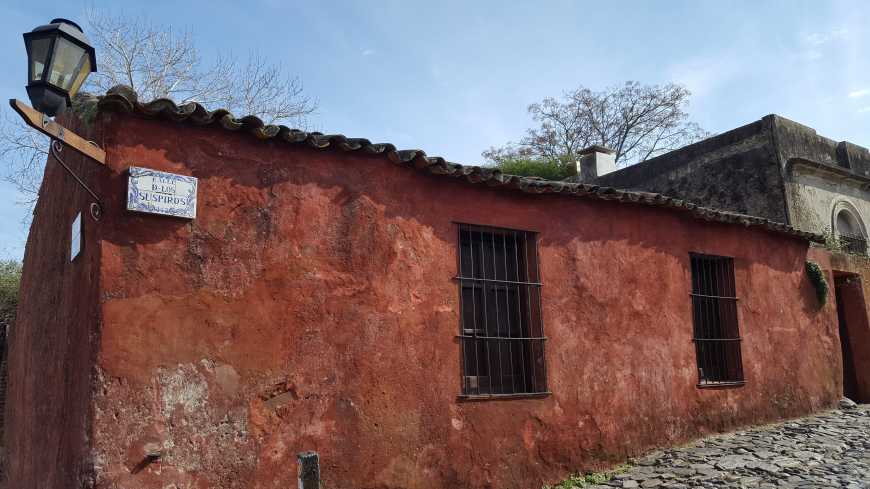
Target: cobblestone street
(831,449)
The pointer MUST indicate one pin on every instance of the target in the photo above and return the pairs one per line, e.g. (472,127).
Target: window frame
(851,242)
(524,323)
(76,237)
(716,322)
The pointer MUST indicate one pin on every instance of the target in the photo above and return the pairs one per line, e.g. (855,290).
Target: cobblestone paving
(831,449)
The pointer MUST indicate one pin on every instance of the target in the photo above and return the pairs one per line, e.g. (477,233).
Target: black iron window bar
(851,243)
(501,334)
(716,333)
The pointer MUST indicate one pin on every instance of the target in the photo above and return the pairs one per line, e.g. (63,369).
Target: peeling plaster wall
(812,195)
(812,199)
(311,306)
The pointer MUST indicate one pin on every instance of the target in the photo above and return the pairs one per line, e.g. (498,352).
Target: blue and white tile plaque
(158,192)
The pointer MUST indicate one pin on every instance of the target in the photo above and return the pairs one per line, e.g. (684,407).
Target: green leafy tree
(10,281)
(536,167)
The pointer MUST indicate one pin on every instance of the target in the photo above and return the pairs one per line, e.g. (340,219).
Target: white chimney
(594,162)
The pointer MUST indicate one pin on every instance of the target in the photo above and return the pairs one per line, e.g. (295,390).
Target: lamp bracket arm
(52,129)
(56,148)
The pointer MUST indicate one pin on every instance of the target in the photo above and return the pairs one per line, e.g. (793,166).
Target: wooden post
(309,470)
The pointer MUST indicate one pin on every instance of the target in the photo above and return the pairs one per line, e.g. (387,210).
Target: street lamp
(59,59)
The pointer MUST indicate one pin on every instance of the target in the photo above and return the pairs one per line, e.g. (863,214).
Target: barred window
(501,334)
(716,335)
(849,232)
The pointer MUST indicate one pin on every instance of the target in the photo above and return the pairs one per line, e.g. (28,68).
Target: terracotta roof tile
(123,99)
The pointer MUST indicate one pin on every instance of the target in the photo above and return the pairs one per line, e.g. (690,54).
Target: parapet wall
(745,170)
(736,171)
(795,140)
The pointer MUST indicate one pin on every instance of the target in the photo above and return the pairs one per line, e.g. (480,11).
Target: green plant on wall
(820,283)
(581,481)
(855,245)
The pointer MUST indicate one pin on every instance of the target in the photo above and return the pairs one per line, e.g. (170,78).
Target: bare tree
(25,151)
(159,62)
(637,121)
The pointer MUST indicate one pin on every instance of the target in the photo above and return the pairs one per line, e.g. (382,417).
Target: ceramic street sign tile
(158,192)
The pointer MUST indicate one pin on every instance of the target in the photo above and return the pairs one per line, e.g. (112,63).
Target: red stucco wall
(311,306)
(53,342)
(855,294)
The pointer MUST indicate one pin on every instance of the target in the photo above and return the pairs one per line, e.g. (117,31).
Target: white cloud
(859,93)
(813,54)
(368,52)
(814,44)
(864,110)
(819,38)
(815,39)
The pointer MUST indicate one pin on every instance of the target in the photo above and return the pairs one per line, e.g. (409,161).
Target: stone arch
(847,225)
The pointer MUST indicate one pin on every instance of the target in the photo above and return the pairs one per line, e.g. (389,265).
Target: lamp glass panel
(65,64)
(37,54)
(83,71)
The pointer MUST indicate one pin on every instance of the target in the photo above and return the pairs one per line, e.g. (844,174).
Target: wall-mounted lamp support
(60,138)
(52,129)
(96,207)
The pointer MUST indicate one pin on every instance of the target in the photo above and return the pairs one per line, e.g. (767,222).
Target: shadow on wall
(255,170)
(3,376)
(369,237)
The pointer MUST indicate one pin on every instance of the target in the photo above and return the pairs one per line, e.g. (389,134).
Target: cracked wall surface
(312,306)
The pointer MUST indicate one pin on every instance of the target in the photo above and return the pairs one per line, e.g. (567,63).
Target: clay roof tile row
(123,99)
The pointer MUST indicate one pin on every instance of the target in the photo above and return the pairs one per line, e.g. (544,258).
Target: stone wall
(813,195)
(794,140)
(750,170)
(312,306)
(737,170)
(830,173)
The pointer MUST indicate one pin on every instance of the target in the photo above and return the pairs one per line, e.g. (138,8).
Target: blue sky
(454,78)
